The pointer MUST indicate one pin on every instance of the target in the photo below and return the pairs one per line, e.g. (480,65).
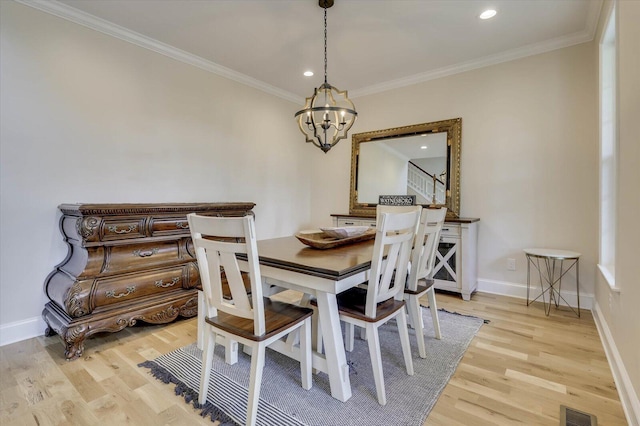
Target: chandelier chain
(328,114)
(325,45)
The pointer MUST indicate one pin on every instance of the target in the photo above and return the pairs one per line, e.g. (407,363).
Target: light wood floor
(519,369)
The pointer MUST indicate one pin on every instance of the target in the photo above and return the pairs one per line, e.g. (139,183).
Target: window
(608,149)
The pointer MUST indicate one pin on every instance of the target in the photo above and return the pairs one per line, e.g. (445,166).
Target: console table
(126,262)
(455,267)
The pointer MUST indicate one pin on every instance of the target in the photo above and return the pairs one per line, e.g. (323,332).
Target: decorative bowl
(344,231)
(320,240)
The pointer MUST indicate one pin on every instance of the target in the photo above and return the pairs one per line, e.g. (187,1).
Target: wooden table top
(336,263)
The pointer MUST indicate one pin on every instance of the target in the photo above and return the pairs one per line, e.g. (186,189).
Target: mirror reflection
(421,160)
(410,165)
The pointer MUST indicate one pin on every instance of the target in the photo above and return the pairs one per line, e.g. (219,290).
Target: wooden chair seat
(424,285)
(352,303)
(278,316)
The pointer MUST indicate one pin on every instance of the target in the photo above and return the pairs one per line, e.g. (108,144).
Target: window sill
(609,278)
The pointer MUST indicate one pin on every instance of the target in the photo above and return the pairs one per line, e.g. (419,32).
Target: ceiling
(373,45)
(427,145)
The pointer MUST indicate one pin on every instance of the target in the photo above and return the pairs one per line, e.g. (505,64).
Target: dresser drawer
(134,257)
(450,230)
(344,221)
(122,229)
(130,287)
(168,226)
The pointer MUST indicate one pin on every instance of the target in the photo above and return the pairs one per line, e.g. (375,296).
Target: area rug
(283,402)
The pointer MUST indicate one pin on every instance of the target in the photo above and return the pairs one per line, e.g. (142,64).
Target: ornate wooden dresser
(126,262)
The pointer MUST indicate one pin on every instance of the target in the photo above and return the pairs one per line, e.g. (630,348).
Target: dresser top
(147,208)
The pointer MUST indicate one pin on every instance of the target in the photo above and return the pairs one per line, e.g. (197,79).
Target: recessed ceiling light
(308,73)
(490,13)
(423,147)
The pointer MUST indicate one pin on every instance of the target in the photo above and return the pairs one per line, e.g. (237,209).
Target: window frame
(608,146)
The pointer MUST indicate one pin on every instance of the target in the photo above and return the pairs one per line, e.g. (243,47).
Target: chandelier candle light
(328,114)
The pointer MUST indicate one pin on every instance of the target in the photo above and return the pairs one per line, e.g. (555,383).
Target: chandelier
(328,114)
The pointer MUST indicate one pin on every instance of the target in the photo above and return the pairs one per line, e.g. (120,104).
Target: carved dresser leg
(74,341)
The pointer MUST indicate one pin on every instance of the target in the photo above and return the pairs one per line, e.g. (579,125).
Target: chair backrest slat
(217,241)
(394,237)
(424,251)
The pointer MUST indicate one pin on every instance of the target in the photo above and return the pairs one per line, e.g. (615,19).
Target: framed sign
(397,200)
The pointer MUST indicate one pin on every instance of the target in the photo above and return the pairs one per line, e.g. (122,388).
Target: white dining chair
(250,319)
(382,300)
(420,279)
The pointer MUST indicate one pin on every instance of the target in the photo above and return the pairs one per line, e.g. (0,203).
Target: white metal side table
(546,262)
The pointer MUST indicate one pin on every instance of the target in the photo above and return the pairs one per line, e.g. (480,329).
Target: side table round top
(552,253)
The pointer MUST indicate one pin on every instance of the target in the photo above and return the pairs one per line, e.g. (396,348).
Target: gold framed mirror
(421,160)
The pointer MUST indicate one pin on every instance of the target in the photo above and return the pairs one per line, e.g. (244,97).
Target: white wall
(618,313)
(89,118)
(529,157)
(381,172)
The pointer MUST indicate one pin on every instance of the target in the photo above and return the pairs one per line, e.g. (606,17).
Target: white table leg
(334,346)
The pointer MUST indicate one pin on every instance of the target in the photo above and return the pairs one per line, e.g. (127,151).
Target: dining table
(322,274)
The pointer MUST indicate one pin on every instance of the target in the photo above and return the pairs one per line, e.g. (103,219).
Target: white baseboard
(21,330)
(628,396)
(520,291)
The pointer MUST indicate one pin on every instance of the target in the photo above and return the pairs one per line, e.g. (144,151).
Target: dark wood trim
(449,219)
(139,208)
(425,172)
(335,264)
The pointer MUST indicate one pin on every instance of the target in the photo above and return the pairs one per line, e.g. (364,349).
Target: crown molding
(583,36)
(82,18)
(593,17)
(87,20)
